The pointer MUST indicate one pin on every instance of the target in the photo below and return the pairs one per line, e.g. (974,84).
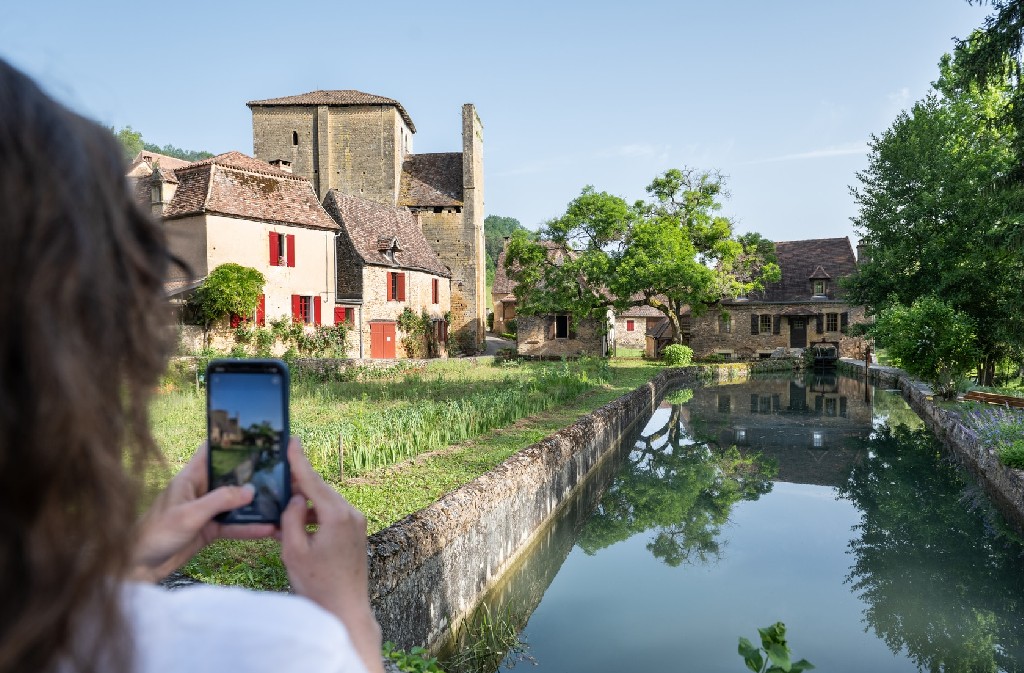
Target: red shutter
(296,307)
(290,238)
(316,310)
(433,291)
(339,315)
(630,325)
(391,284)
(261,310)
(275,251)
(401,287)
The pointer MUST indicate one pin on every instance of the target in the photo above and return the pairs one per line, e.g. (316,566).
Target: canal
(804,501)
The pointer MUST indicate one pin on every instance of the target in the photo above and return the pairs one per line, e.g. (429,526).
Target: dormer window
(388,246)
(819,287)
(819,283)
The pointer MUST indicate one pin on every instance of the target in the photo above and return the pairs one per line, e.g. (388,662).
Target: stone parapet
(429,570)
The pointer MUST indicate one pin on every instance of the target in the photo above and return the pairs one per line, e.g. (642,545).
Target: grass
(389,492)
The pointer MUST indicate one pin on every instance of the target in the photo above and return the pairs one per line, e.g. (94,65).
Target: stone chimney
(862,253)
(282,165)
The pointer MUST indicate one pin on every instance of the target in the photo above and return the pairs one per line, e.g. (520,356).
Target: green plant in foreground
(416,660)
(774,654)
(487,638)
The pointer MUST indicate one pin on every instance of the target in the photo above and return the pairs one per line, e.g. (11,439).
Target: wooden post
(341,456)
(867,371)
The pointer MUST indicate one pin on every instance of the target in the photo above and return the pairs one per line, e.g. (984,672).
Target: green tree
(937,216)
(672,251)
(177,152)
(230,288)
(928,339)
(496,228)
(131,142)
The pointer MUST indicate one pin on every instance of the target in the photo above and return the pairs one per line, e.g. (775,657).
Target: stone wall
(1004,485)
(635,339)
(708,335)
(356,149)
(429,570)
(417,297)
(535,338)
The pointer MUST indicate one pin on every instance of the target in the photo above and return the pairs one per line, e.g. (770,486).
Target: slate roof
(801,261)
(237,185)
(366,223)
(642,311)
(341,97)
(432,180)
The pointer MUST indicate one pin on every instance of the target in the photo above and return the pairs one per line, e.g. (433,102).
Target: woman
(83,342)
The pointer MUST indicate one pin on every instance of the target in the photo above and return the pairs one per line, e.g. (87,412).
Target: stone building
(234,208)
(805,308)
(361,145)
(632,325)
(385,265)
(503,297)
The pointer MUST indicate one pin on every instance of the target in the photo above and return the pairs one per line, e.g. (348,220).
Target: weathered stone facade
(728,330)
(361,145)
(541,336)
(377,307)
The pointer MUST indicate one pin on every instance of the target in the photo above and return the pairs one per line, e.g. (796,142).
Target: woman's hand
(180,521)
(329,566)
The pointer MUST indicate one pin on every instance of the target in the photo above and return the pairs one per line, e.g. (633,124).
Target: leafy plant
(774,655)
(416,660)
(1002,429)
(677,355)
(230,288)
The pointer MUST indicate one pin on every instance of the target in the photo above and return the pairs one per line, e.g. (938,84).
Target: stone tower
(361,144)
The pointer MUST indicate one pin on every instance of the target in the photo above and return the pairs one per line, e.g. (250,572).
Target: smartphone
(248,430)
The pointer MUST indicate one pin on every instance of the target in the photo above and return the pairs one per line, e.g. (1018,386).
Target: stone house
(361,145)
(633,324)
(547,335)
(234,208)
(806,308)
(385,265)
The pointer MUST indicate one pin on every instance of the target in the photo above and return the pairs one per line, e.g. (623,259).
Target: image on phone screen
(247,441)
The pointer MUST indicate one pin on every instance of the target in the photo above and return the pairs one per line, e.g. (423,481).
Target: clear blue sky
(780,96)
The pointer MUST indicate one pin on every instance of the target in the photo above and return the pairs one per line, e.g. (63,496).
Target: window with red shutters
(630,326)
(401,287)
(316,310)
(396,286)
(275,249)
(303,309)
(290,240)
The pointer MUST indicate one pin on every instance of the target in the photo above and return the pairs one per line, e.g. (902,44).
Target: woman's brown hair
(82,344)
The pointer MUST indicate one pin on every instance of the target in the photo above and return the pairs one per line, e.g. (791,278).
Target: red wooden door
(382,340)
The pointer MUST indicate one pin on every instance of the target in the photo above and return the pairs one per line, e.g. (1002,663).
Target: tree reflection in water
(682,489)
(955,605)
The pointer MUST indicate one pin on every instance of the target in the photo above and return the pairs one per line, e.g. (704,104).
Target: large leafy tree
(938,217)
(671,251)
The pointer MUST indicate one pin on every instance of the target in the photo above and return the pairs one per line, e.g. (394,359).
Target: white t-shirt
(215,629)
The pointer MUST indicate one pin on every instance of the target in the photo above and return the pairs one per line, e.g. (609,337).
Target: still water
(835,515)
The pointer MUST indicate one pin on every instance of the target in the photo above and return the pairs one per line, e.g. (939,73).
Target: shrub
(510,326)
(677,355)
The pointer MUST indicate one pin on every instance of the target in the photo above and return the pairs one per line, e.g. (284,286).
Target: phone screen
(247,412)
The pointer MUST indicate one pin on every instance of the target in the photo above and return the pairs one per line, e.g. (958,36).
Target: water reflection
(812,428)
(681,489)
(865,544)
(941,581)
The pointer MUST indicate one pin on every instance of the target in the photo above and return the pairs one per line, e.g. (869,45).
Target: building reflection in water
(812,428)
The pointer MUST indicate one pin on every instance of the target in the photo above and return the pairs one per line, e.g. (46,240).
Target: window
(561,326)
(295,137)
(396,286)
(725,323)
(724,404)
(435,292)
(819,287)
(766,324)
(818,439)
(832,322)
(302,309)
(344,315)
(630,325)
(282,249)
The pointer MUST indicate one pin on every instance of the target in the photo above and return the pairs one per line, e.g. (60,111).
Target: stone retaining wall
(429,570)
(1004,485)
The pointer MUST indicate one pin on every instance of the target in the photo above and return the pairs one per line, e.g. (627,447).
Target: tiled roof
(164,160)
(237,185)
(641,311)
(337,97)
(367,222)
(800,261)
(432,180)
